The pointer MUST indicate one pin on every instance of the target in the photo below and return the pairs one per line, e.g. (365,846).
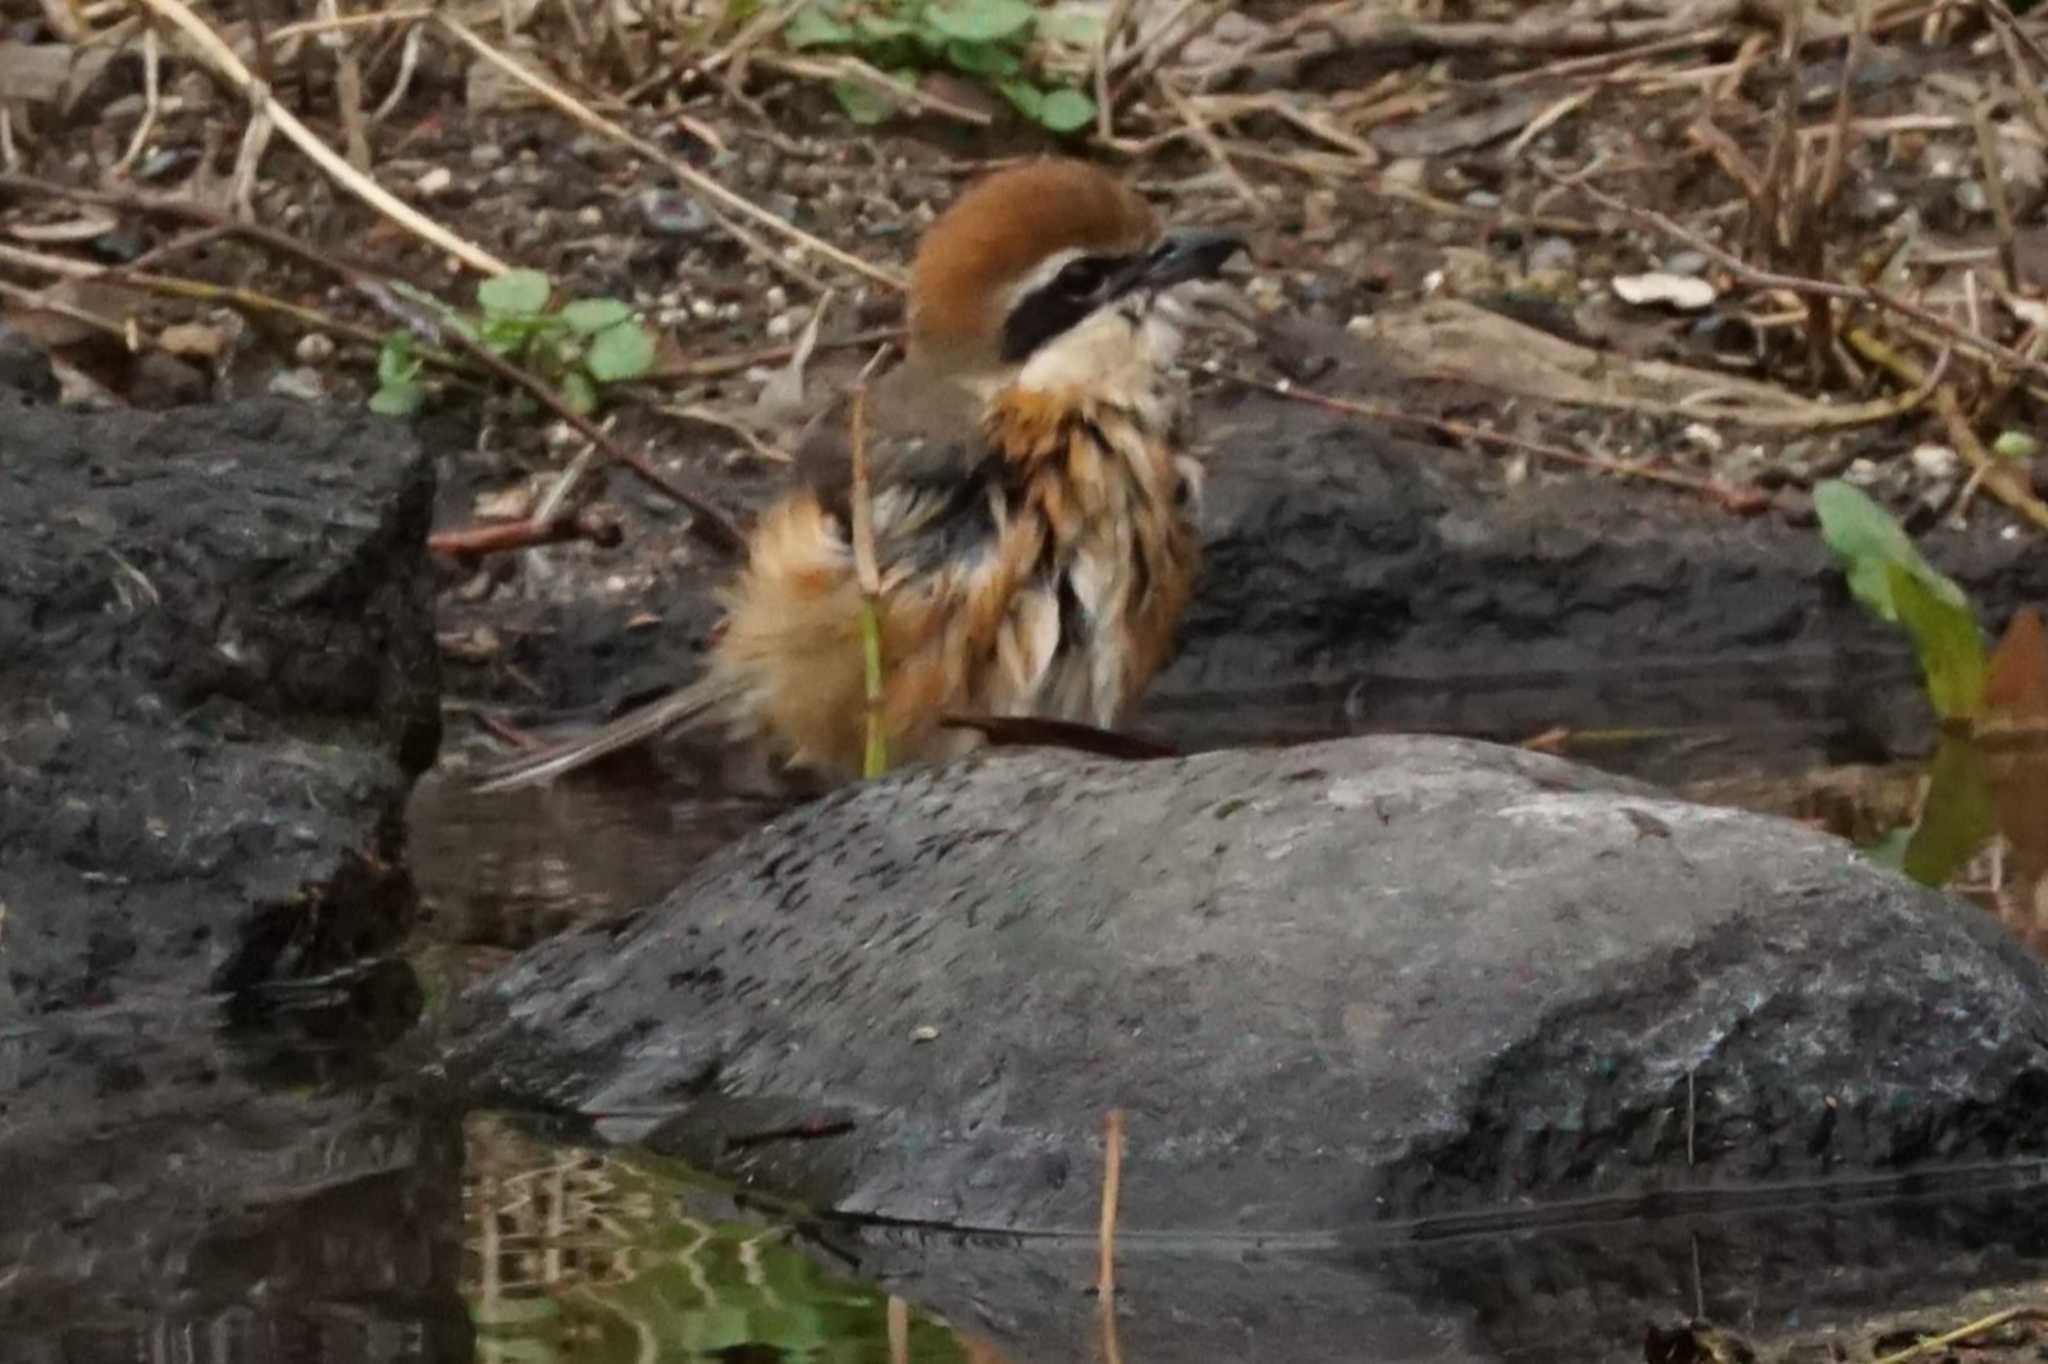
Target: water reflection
(587,1254)
(228,1183)
(577,1252)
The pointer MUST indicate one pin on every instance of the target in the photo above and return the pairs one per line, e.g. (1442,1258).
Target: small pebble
(1873,204)
(1971,198)
(485,155)
(314,348)
(1934,461)
(434,182)
(590,216)
(1265,294)
(1551,253)
(1795,505)
(1705,437)
(303,383)
(673,214)
(1861,473)
(1685,263)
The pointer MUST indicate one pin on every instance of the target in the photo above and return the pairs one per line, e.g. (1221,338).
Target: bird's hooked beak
(1183,254)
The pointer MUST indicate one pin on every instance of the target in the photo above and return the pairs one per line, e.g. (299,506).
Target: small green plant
(576,349)
(1894,582)
(989,40)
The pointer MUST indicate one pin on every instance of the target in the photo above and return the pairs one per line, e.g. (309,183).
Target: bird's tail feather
(681,709)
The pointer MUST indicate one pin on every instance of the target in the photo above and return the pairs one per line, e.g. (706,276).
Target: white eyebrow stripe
(1041,275)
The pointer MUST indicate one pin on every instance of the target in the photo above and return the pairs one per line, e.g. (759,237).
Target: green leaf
(579,393)
(1865,539)
(397,363)
(622,352)
(877,29)
(862,104)
(514,293)
(983,59)
(397,398)
(1070,27)
(1028,98)
(589,316)
(1958,816)
(507,335)
(553,352)
(811,26)
(2015,445)
(1890,851)
(981,21)
(1064,111)
(1945,637)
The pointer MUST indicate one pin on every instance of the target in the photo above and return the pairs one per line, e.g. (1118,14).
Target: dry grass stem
(1994,190)
(222,59)
(1205,137)
(875,758)
(1962,1334)
(1105,1267)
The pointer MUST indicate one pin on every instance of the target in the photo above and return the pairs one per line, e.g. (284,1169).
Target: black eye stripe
(1070,295)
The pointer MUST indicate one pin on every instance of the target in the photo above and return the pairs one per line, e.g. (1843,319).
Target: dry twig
(262,107)
(1105,1269)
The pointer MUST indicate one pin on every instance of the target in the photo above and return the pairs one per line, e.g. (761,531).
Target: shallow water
(330,1207)
(504,873)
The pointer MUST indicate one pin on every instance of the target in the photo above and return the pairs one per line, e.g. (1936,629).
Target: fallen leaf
(2016,693)
(193,338)
(1687,292)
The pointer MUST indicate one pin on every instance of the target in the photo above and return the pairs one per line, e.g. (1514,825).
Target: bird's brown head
(1030,251)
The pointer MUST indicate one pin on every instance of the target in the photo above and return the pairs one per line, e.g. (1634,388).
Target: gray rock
(1334,985)
(218,677)
(24,368)
(1552,253)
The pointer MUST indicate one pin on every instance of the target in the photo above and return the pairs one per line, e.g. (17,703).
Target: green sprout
(576,349)
(988,40)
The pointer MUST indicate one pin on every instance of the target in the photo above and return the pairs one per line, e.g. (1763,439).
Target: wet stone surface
(1334,985)
(218,679)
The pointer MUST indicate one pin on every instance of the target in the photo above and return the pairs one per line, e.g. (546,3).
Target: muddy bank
(1336,985)
(218,679)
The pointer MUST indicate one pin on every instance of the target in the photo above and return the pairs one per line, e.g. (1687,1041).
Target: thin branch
(496,538)
(261,105)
